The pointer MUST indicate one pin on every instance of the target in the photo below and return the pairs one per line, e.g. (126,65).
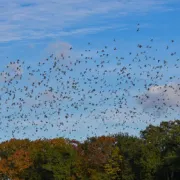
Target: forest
(154,155)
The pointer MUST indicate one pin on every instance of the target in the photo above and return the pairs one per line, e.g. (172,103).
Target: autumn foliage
(154,155)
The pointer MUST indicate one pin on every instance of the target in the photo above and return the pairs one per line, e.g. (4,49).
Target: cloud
(13,71)
(37,19)
(161,97)
(59,49)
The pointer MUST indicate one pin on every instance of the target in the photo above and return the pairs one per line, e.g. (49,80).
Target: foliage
(152,156)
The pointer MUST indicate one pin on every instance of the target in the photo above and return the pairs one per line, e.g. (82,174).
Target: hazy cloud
(59,49)
(13,71)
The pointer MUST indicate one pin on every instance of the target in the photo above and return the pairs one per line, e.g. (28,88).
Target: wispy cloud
(40,19)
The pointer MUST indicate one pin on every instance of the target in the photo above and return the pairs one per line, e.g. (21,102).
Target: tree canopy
(152,156)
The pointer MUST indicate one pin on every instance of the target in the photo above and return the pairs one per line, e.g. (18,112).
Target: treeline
(155,155)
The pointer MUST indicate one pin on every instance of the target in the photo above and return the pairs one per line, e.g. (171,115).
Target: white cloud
(161,97)
(41,18)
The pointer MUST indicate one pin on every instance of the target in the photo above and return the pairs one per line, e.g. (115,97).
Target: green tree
(114,165)
(164,141)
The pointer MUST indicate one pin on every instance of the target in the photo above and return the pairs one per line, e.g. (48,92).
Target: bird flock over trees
(94,90)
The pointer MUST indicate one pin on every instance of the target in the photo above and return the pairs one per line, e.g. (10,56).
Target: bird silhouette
(93,92)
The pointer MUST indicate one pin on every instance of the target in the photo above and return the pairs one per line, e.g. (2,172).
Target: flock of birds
(96,91)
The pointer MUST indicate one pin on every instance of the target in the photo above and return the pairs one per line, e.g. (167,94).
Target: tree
(57,158)
(14,160)
(95,152)
(130,148)
(114,166)
(165,141)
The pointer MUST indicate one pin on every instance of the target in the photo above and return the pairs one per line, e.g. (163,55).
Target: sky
(31,30)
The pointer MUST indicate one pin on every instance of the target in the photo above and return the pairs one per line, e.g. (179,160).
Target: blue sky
(31,30)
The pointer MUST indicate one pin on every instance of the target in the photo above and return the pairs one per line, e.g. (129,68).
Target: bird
(94,92)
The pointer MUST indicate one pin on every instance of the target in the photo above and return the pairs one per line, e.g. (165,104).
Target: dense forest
(155,155)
